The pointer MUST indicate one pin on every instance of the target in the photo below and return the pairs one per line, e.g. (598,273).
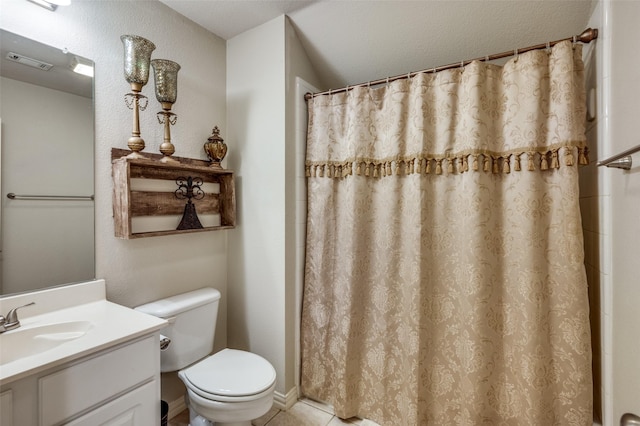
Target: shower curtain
(444,276)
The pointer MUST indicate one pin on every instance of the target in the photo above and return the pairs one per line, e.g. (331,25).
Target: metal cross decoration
(189,188)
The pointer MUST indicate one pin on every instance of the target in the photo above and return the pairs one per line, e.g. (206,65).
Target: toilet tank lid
(177,304)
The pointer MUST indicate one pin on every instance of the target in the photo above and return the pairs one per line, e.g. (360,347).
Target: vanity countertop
(107,325)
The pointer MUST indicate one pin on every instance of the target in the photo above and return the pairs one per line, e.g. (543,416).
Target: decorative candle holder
(137,55)
(166,78)
(215,148)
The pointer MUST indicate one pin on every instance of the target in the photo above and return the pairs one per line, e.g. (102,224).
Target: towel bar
(620,161)
(13,196)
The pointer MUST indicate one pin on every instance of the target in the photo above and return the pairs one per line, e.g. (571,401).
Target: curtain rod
(586,36)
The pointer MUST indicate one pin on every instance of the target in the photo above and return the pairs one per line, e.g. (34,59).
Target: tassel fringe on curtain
(463,162)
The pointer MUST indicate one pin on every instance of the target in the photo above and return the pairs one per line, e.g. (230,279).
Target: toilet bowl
(231,387)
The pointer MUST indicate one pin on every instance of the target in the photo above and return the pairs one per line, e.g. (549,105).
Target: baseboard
(284,402)
(176,407)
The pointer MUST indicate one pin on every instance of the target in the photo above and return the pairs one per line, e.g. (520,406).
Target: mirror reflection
(46,140)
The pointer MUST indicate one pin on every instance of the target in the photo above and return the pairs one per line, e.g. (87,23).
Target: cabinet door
(75,389)
(6,408)
(139,407)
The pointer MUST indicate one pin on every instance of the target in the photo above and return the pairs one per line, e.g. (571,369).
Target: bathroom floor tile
(301,414)
(262,421)
(337,421)
(319,405)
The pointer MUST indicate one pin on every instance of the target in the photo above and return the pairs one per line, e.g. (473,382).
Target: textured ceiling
(228,18)
(354,41)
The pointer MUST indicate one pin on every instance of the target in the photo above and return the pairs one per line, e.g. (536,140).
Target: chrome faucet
(11,321)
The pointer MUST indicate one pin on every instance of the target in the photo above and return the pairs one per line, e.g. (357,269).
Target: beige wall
(261,67)
(143,270)
(256,122)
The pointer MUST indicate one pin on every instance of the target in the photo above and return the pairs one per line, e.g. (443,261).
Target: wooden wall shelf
(128,203)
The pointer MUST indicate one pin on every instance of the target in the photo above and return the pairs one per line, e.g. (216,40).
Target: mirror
(46,160)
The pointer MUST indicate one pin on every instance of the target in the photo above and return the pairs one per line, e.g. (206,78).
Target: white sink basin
(24,342)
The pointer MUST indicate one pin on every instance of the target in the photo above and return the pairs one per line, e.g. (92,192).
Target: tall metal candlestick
(166,78)
(137,56)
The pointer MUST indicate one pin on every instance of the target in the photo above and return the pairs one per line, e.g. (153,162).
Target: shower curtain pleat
(444,280)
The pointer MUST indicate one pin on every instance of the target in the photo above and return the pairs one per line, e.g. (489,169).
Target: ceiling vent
(25,60)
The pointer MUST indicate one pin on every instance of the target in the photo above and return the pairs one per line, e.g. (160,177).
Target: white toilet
(231,387)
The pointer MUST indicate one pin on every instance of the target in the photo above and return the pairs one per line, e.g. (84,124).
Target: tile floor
(304,413)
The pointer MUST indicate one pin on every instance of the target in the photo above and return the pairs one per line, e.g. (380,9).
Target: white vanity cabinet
(119,385)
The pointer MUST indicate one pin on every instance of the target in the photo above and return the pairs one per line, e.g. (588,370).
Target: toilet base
(225,414)
(196,419)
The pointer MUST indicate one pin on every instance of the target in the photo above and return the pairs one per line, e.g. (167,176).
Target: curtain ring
(486,58)
(387,81)
(515,53)
(548,47)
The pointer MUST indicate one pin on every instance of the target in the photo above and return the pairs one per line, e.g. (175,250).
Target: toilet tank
(192,324)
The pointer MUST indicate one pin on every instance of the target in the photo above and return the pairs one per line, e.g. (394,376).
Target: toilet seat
(230,376)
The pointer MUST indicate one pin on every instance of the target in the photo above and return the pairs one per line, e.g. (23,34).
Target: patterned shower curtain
(444,277)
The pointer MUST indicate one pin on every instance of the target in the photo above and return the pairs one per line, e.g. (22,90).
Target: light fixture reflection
(82,66)
(51,5)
